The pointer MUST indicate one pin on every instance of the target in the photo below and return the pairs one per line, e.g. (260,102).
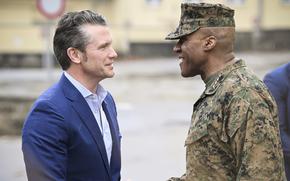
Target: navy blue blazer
(61,139)
(278,82)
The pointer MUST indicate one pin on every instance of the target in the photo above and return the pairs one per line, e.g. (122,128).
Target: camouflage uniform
(234,133)
(234,130)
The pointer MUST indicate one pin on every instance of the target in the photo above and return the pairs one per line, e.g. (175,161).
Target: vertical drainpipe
(257,33)
(126,28)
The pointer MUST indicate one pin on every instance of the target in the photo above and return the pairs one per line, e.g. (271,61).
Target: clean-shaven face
(190,54)
(99,54)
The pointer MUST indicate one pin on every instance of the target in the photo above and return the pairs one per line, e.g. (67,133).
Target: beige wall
(18,32)
(276,15)
(130,20)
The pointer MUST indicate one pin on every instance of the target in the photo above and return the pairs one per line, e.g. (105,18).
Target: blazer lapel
(111,121)
(288,73)
(82,108)
(115,157)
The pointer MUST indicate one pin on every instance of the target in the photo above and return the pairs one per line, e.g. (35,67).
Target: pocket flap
(196,133)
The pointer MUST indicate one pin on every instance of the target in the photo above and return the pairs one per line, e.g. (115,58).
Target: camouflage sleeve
(182,178)
(255,141)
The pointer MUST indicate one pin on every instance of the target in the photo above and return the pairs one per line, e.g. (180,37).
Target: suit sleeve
(278,89)
(44,140)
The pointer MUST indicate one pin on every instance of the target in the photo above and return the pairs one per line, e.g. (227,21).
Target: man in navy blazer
(71,132)
(278,81)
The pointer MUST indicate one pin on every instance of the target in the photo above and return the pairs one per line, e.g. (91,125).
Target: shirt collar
(211,79)
(101,92)
(217,79)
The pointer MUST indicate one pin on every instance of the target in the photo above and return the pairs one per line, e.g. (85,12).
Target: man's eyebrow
(105,44)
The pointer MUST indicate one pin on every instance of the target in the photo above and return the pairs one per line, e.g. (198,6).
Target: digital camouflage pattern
(234,133)
(195,16)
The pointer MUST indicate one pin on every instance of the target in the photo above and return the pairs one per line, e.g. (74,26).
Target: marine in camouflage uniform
(234,132)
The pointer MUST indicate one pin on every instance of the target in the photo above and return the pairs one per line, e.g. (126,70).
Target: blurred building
(139,26)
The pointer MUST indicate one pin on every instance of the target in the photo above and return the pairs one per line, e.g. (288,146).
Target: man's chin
(184,74)
(111,75)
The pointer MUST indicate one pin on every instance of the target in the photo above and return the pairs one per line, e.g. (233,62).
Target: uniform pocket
(196,133)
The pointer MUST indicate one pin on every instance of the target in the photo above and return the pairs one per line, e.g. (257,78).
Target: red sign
(51,8)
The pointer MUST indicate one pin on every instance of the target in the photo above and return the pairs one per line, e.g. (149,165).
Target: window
(192,1)
(285,1)
(153,2)
(236,2)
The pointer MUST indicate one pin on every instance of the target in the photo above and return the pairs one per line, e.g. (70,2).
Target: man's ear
(74,55)
(209,43)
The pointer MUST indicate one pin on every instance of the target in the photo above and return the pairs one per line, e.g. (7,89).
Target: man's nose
(177,48)
(113,53)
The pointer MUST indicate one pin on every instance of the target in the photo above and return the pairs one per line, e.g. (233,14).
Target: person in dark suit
(278,82)
(71,131)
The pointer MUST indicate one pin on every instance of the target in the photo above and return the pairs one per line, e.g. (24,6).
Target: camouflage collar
(220,77)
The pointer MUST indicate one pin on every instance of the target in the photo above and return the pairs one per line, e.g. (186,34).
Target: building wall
(18,29)
(138,24)
(276,15)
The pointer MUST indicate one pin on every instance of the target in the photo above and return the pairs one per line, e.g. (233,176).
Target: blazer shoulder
(281,71)
(52,98)
(280,74)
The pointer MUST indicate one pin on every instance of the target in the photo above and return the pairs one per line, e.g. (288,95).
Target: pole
(46,58)
(257,34)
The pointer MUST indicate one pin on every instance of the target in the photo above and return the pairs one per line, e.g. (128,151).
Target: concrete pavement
(154,108)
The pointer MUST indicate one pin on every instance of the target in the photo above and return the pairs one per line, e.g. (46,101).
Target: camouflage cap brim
(179,33)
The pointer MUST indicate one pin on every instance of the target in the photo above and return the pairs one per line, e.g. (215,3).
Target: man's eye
(182,40)
(104,46)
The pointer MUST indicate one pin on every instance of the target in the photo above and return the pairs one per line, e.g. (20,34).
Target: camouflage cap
(195,16)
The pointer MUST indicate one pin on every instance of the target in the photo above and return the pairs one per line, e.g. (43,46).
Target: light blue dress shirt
(95,101)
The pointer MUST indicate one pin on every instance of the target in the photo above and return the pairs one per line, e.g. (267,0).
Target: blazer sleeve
(44,143)
(277,84)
